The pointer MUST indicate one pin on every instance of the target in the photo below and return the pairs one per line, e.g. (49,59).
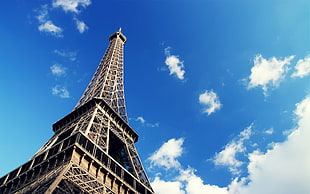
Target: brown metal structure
(92,150)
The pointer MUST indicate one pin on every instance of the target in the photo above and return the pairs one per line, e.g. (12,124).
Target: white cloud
(227,157)
(194,184)
(185,180)
(268,73)
(302,67)
(47,25)
(167,187)
(167,51)
(152,124)
(302,111)
(174,64)
(269,131)
(271,145)
(167,154)
(69,54)
(145,123)
(51,28)
(43,14)
(284,168)
(71,5)
(81,26)
(58,70)
(62,92)
(211,101)
(141,119)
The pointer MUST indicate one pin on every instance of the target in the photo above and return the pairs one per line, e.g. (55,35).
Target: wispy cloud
(284,167)
(269,131)
(42,13)
(186,181)
(81,26)
(60,91)
(227,157)
(140,119)
(177,179)
(210,101)
(268,73)
(195,185)
(145,123)
(166,156)
(68,54)
(152,124)
(71,5)
(163,187)
(47,25)
(174,64)
(51,28)
(58,70)
(302,67)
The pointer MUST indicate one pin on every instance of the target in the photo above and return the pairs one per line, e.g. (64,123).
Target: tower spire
(107,82)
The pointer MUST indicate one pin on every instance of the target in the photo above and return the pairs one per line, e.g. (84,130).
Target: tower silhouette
(92,150)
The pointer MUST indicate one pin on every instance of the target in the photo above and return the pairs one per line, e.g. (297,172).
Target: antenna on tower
(120,29)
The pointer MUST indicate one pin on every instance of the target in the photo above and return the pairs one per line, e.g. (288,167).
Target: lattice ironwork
(84,180)
(92,150)
(107,82)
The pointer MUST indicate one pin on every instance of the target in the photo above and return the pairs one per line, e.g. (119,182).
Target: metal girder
(84,180)
(107,82)
(93,148)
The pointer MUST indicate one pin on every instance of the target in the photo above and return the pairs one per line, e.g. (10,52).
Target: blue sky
(218,90)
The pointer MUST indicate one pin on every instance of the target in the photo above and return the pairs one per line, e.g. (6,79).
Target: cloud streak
(68,54)
(228,156)
(145,123)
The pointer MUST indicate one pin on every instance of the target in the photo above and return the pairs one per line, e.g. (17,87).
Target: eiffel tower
(92,150)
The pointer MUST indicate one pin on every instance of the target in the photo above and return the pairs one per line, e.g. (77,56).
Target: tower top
(118,34)
(107,82)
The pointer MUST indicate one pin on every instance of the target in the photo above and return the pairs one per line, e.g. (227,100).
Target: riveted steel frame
(79,158)
(107,82)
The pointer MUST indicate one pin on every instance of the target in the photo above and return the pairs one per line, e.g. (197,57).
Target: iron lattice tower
(107,83)
(92,150)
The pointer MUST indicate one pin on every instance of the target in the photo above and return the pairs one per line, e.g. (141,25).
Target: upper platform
(76,114)
(118,34)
